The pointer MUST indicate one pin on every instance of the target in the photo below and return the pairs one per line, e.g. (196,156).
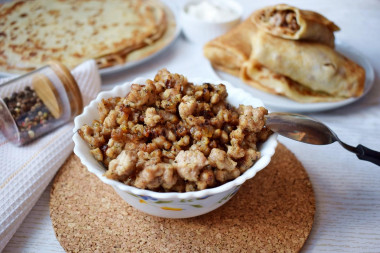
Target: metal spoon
(305,129)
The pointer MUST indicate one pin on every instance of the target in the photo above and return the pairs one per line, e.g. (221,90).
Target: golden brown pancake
(34,32)
(316,66)
(229,51)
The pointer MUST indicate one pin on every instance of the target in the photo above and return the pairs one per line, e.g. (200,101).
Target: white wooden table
(347,190)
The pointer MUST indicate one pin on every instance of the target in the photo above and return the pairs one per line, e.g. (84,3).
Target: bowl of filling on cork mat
(272,212)
(174,147)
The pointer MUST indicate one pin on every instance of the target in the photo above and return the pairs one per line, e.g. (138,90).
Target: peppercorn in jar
(38,102)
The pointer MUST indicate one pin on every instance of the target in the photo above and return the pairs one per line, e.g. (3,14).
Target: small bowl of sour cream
(203,20)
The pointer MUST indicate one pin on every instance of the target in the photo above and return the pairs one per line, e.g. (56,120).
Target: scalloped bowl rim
(81,148)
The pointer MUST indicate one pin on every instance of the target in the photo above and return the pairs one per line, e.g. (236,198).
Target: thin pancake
(139,53)
(314,65)
(74,31)
(262,78)
(229,51)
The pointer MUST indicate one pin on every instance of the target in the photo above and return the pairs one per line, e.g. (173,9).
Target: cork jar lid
(70,85)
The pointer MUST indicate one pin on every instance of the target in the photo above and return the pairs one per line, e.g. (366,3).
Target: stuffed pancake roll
(292,23)
(316,66)
(256,75)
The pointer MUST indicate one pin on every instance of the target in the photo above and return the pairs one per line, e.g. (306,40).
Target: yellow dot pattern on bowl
(171,208)
(184,203)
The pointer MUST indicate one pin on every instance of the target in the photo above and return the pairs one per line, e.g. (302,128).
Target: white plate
(280,103)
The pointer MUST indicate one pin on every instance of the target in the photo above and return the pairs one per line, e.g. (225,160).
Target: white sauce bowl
(199,30)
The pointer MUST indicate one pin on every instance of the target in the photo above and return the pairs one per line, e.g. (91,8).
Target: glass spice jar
(38,102)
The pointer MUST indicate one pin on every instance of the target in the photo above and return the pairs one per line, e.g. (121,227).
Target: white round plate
(280,103)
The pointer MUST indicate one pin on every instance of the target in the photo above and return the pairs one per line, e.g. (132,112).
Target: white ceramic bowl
(171,204)
(201,31)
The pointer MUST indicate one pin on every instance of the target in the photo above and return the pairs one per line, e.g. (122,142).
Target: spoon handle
(367,154)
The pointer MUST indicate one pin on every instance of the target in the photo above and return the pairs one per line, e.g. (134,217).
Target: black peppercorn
(38,102)
(28,111)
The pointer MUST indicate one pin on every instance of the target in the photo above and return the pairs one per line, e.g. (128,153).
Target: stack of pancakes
(287,51)
(72,31)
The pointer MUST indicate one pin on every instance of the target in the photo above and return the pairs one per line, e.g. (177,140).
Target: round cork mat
(273,212)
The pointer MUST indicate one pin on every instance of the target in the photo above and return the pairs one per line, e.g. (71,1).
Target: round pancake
(34,32)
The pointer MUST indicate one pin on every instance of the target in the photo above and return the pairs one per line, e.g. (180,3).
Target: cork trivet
(273,212)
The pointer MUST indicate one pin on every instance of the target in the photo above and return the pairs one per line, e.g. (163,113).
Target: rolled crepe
(229,51)
(315,66)
(289,22)
(256,75)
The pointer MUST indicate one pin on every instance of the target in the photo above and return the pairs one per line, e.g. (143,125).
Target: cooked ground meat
(220,160)
(172,135)
(122,166)
(189,164)
(285,19)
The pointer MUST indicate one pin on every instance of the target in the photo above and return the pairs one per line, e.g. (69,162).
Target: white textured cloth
(26,171)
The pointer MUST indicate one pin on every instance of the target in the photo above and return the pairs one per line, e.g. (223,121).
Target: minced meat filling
(172,135)
(286,19)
